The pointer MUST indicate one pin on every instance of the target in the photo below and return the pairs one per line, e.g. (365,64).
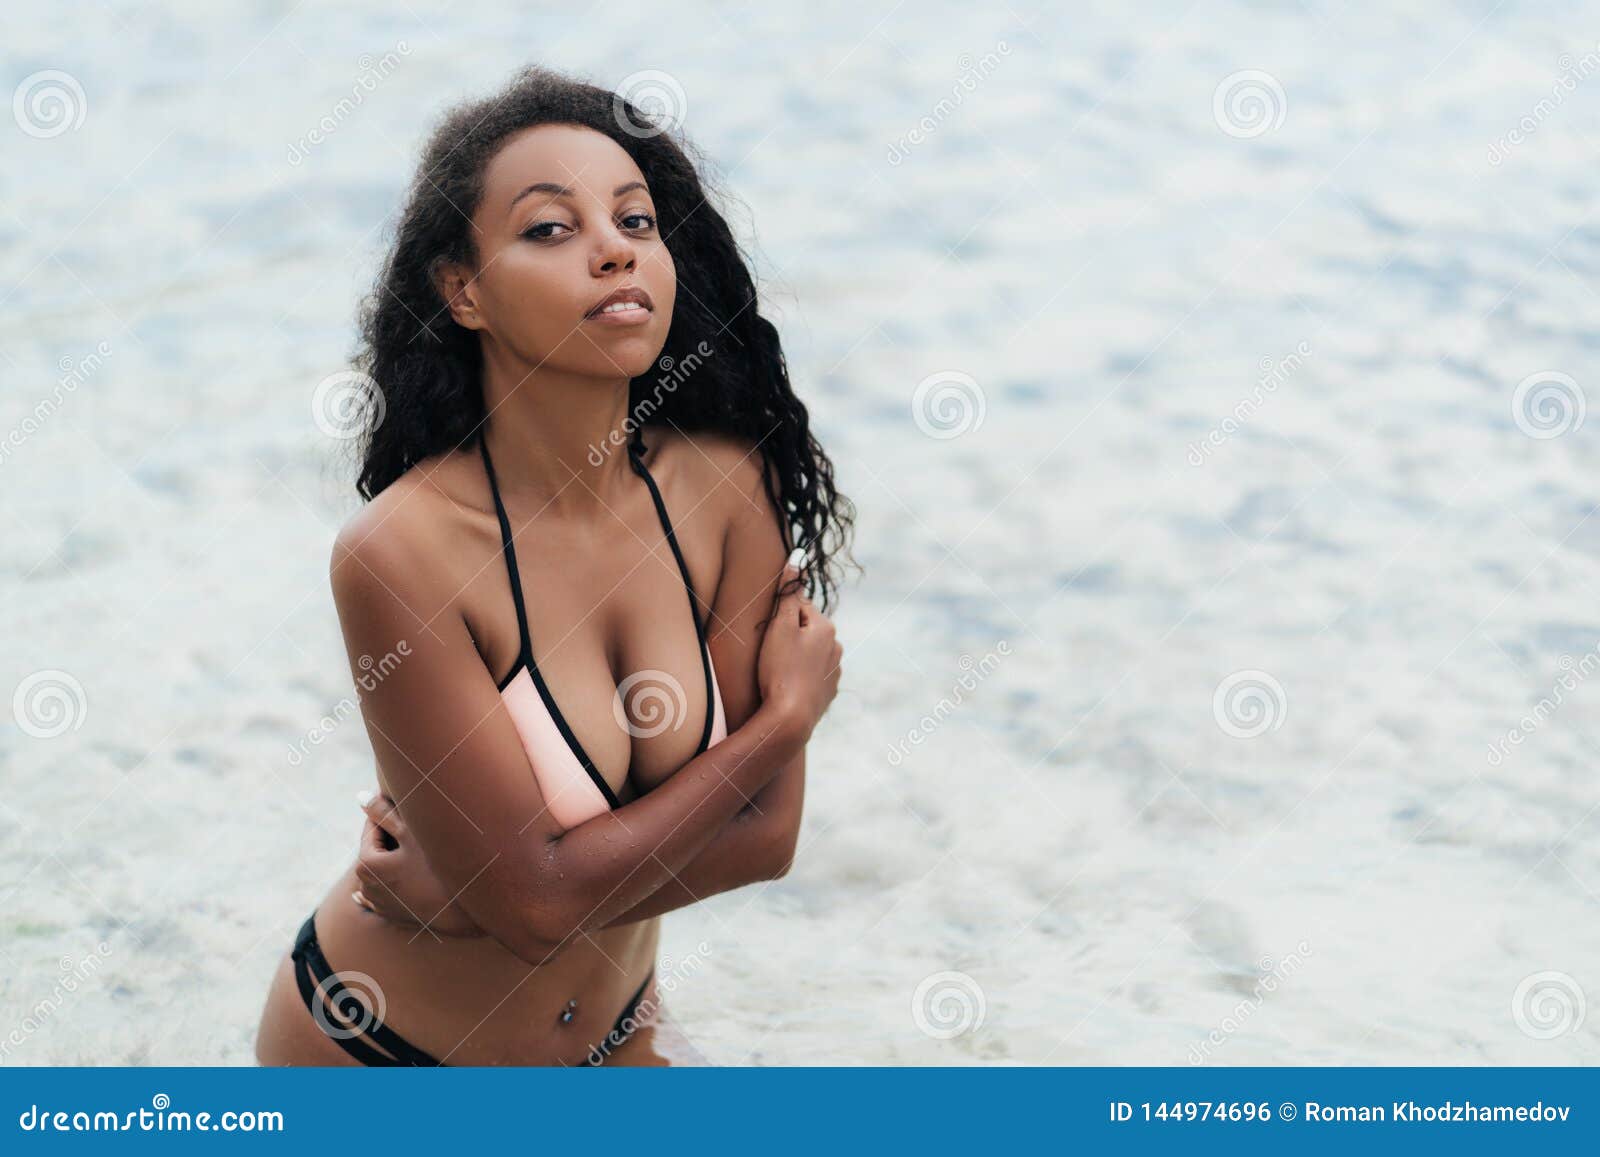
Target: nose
(613,252)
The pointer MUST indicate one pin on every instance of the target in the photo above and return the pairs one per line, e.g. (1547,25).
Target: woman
(585,468)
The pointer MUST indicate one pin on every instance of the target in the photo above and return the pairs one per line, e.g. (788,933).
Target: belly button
(568,1012)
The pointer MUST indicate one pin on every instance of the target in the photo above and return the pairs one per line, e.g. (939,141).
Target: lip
(622,317)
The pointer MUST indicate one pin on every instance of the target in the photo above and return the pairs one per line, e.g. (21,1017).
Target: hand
(397,882)
(798,669)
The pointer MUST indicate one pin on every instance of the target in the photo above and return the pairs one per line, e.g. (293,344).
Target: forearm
(589,876)
(740,853)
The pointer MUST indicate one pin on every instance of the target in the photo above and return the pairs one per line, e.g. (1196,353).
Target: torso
(604,600)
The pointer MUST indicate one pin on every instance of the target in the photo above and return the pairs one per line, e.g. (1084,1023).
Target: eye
(536,231)
(640,215)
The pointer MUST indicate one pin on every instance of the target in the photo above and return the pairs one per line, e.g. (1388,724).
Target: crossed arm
(730,817)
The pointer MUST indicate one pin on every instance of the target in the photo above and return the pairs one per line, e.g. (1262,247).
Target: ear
(456,288)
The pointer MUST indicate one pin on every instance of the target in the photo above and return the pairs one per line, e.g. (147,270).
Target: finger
(381,810)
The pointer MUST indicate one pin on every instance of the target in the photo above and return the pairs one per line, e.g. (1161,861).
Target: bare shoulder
(722,470)
(402,541)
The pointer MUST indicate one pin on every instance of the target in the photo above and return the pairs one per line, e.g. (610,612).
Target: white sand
(1112,870)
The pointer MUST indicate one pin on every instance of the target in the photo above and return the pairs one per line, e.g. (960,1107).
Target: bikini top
(572,786)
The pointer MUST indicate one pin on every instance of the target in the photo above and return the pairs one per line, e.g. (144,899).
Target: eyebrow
(556,190)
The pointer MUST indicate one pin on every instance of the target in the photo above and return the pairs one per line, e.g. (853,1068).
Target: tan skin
(489,919)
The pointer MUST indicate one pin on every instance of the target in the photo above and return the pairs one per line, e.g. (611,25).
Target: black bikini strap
(510,551)
(309,962)
(634,448)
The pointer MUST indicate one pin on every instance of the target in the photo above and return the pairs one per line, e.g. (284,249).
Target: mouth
(629,305)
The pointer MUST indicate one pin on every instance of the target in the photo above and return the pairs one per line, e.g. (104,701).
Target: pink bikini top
(573,788)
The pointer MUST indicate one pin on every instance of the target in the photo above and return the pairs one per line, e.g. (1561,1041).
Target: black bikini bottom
(353,1017)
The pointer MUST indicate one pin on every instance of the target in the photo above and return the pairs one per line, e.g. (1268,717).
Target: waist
(472,998)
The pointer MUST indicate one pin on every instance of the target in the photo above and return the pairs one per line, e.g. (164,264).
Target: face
(566,221)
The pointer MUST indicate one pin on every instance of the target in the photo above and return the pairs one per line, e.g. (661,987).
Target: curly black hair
(427,370)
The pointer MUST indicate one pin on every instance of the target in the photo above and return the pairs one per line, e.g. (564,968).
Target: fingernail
(797,556)
(364,796)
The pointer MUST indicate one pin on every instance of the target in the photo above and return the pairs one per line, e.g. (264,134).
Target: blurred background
(1210,378)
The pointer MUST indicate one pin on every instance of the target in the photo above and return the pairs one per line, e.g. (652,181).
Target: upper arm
(447,751)
(755,548)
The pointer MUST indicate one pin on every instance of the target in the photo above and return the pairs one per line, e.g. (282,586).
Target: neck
(557,439)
